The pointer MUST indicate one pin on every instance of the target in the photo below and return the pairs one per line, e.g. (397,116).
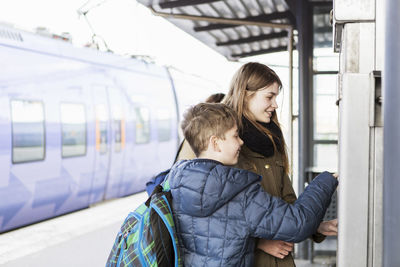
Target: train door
(77,161)
(117,143)
(165,115)
(102,143)
(151,130)
(127,184)
(34,188)
(22,147)
(33,167)
(140,158)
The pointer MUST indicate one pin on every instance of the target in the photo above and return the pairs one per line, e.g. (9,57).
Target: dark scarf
(258,141)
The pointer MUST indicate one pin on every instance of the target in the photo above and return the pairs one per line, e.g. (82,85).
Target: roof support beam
(261,37)
(216,26)
(261,52)
(220,20)
(182,3)
(260,18)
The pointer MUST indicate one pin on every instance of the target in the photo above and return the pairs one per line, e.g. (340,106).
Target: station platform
(82,238)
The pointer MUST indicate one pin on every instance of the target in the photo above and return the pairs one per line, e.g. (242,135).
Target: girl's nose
(241,141)
(274,104)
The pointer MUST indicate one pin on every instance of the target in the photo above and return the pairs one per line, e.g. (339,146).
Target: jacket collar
(250,153)
(206,185)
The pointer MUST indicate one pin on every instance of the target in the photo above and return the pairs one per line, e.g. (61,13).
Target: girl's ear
(214,142)
(247,96)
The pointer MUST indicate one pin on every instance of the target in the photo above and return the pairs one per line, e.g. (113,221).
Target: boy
(219,211)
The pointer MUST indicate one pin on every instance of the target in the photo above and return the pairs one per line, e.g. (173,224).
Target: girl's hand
(276,248)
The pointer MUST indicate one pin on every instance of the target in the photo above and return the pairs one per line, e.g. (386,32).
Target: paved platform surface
(82,238)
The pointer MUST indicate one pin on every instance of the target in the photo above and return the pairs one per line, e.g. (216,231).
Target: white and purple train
(78,126)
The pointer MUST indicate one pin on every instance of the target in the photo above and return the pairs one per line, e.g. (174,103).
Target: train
(79,126)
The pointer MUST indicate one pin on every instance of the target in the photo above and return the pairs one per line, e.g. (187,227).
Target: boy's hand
(328,228)
(276,248)
(335,175)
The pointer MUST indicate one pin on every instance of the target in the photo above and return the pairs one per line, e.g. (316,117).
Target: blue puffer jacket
(220,210)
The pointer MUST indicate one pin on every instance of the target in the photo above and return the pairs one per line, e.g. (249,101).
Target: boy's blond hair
(204,120)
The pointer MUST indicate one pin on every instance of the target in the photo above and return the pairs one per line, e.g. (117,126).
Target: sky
(128,28)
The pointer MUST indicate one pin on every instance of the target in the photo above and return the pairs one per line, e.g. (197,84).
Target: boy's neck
(208,155)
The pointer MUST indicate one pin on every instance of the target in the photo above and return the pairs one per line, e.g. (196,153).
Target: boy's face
(230,147)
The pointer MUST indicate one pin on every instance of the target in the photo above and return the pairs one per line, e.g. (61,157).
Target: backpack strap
(179,150)
(157,179)
(157,189)
(164,230)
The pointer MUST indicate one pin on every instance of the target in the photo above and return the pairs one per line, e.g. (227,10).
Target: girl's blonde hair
(250,78)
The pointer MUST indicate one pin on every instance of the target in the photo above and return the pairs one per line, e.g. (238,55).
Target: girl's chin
(266,120)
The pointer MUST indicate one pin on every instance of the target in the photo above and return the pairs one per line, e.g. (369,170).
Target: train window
(118,128)
(164,125)
(119,134)
(28,136)
(101,129)
(142,125)
(73,127)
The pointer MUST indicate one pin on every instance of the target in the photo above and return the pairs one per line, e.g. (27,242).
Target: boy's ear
(214,143)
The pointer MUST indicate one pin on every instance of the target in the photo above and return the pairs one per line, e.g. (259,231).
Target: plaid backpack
(147,236)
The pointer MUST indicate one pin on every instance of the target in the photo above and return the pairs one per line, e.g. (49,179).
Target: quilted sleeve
(272,218)
(287,192)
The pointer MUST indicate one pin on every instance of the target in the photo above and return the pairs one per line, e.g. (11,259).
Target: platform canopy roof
(242,28)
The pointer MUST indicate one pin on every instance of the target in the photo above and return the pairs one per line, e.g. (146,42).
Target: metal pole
(290,48)
(391,133)
(305,48)
(304,21)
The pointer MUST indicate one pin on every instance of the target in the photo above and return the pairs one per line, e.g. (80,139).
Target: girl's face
(262,103)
